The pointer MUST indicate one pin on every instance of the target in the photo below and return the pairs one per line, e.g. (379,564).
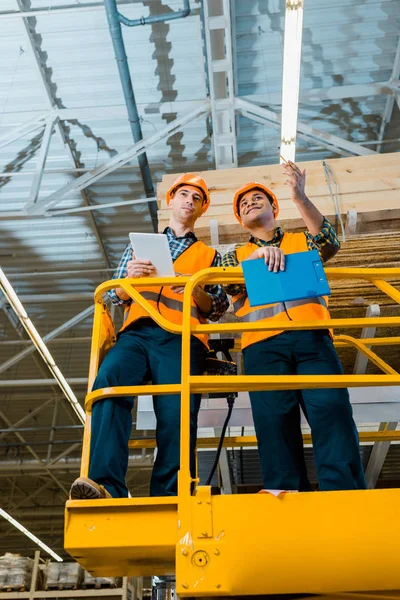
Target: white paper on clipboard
(155,248)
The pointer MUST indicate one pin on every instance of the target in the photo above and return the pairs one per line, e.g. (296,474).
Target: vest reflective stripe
(169,304)
(272,311)
(240,302)
(308,309)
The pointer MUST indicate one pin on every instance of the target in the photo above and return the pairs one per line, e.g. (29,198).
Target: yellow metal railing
(103,337)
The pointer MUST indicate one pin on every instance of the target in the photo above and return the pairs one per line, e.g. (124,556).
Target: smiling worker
(145,352)
(277,413)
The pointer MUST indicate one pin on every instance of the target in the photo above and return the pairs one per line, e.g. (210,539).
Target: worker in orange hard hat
(275,352)
(146,352)
(188,179)
(254,186)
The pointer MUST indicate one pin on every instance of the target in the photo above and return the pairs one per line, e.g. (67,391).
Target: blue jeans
(142,354)
(328,411)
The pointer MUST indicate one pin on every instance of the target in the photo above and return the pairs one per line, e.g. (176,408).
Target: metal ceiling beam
(59,127)
(103,113)
(52,334)
(30,497)
(307,138)
(25,128)
(44,150)
(111,113)
(17,325)
(217,25)
(28,416)
(337,92)
(31,330)
(53,10)
(114,163)
(38,274)
(65,340)
(121,203)
(249,109)
(14,383)
(65,464)
(59,297)
(388,111)
(34,454)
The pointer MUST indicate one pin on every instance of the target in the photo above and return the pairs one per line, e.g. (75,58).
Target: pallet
(60,586)
(95,585)
(13,588)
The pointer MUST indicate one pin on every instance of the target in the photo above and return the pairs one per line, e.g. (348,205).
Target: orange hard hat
(195,181)
(247,188)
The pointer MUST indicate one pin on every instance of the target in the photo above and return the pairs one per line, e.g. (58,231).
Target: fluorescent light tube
(30,535)
(41,347)
(291,77)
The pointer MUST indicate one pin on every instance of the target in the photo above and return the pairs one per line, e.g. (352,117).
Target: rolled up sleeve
(220,302)
(326,241)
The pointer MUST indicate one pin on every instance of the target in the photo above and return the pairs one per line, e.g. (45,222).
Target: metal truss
(217,25)
(44,206)
(335,143)
(28,326)
(337,92)
(53,334)
(218,37)
(53,10)
(35,455)
(60,133)
(80,183)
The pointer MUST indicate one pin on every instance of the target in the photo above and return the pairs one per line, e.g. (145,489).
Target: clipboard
(303,277)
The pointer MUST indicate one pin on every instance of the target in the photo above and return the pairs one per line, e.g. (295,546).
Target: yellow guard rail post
(316,543)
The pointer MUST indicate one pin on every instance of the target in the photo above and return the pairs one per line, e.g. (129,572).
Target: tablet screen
(155,248)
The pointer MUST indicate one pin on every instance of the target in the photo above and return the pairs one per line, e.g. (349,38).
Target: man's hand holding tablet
(152,255)
(139,268)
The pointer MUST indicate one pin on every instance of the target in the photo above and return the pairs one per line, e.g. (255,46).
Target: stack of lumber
(368,184)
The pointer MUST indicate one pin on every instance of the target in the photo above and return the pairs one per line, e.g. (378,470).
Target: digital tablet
(303,277)
(155,248)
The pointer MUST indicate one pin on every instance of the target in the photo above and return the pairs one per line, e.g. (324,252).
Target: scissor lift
(242,544)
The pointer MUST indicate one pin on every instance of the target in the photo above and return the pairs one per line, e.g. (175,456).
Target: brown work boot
(84,488)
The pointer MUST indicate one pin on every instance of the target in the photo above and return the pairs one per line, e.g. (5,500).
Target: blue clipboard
(303,277)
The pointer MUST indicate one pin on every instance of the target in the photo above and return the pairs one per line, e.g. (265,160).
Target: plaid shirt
(177,245)
(324,242)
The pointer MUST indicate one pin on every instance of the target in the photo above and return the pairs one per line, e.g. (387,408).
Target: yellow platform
(135,536)
(245,544)
(327,543)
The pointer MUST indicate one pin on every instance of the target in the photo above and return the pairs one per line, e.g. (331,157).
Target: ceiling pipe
(172,16)
(114,22)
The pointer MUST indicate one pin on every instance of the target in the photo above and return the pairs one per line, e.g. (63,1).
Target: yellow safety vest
(169,304)
(308,309)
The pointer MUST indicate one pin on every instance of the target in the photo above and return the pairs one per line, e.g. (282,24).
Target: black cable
(288,316)
(231,400)
(241,460)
